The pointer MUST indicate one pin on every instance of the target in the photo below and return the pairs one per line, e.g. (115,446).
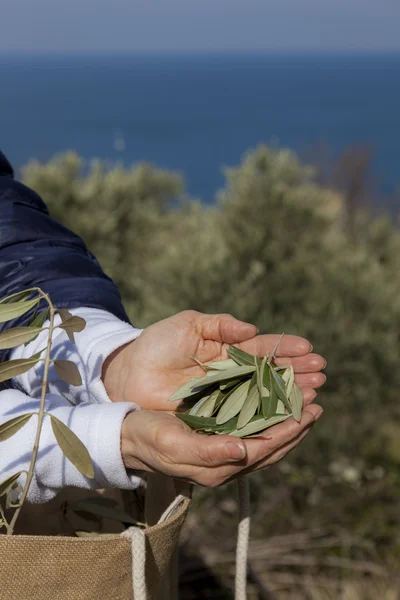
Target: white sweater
(87,410)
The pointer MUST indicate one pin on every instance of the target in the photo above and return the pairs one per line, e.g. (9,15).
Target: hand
(150,369)
(158,442)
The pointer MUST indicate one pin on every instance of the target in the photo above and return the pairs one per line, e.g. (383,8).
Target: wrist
(130,442)
(114,372)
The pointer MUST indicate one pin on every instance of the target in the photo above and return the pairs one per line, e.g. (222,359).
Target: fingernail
(312,347)
(235,451)
(318,414)
(258,331)
(325,365)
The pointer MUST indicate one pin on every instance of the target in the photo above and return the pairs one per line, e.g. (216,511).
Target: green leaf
(11,338)
(266,376)
(39,319)
(234,402)
(241,357)
(12,368)
(236,372)
(198,384)
(72,447)
(13,310)
(68,372)
(185,391)
(16,297)
(11,427)
(8,483)
(280,408)
(261,366)
(280,388)
(296,400)
(208,408)
(196,407)
(102,510)
(220,365)
(288,378)
(258,424)
(250,405)
(207,424)
(227,385)
(270,404)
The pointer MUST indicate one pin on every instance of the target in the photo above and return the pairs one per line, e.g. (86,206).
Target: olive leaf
(68,372)
(258,424)
(226,385)
(236,372)
(18,366)
(199,383)
(11,338)
(288,378)
(12,426)
(280,388)
(250,405)
(9,482)
(270,405)
(296,400)
(39,319)
(102,510)
(72,447)
(16,297)
(207,409)
(220,365)
(241,357)
(233,403)
(197,406)
(13,310)
(72,325)
(261,367)
(207,424)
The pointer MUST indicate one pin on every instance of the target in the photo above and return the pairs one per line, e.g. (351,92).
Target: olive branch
(13,307)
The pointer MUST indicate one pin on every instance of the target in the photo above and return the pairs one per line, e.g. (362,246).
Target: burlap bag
(45,562)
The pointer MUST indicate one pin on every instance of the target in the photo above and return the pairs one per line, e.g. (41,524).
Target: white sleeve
(86,409)
(103,334)
(98,427)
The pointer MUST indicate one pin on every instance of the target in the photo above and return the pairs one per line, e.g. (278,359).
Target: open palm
(149,370)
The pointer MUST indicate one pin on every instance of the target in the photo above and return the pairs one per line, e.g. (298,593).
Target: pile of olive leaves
(240,396)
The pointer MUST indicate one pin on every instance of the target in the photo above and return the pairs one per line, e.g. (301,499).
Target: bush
(276,250)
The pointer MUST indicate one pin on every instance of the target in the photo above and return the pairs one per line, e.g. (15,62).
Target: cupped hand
(150,369)
(155,441)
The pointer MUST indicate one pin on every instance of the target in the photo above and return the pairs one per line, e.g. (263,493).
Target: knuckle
(165,443)
(206,456)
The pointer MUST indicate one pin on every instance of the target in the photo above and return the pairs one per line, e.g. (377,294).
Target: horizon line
(199,53)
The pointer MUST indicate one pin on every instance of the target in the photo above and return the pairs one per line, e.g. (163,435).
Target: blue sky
(92,26)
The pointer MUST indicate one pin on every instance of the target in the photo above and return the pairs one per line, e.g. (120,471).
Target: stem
(41,413)
(7,526)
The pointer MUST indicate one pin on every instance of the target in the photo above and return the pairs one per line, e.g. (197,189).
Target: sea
(199,114)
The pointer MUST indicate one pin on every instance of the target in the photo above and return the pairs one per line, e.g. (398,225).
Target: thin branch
(41,413)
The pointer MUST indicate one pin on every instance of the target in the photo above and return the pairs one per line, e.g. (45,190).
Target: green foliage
(275,250)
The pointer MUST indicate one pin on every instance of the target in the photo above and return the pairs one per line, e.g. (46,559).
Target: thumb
(225,328)
(213,451)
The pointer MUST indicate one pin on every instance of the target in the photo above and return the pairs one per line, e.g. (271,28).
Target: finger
(289,345)
(279,454)
(279,435)
(225,328)
(310,363)
(314,380)
(309,395)
(181,446)
(262,451)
